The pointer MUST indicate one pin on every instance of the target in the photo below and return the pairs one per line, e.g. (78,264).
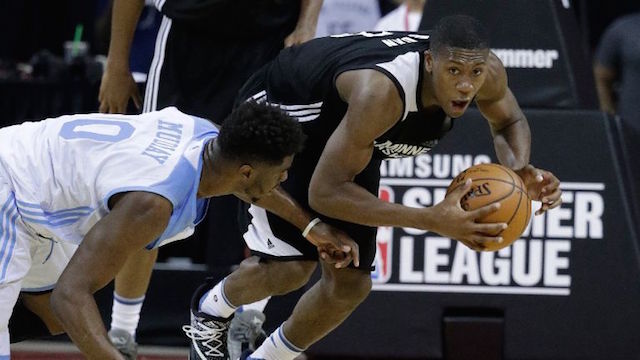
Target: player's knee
(61,297)
(349,285)
(287,276)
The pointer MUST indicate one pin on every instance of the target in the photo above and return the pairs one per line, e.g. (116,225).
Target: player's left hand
(334,246)
(299,35)
(542,186)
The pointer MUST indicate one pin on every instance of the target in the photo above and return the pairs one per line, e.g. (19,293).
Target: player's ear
(428,61)
(246,171)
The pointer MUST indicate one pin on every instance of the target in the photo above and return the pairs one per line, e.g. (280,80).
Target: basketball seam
(514,186)
(509,171)
(494,179)
(515,211)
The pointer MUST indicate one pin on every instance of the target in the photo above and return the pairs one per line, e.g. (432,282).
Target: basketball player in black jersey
(362,98)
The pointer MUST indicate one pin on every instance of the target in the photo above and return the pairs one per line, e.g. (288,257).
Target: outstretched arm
(136,219)
(374,107)
(512,136)
(333,245)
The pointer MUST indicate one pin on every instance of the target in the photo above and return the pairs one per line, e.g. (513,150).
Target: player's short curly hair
(459,31)
(260,132)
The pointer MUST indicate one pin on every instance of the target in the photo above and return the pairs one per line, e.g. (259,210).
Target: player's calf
(26,325)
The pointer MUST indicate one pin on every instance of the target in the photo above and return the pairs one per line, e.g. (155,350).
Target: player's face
(267,177)
(457,76)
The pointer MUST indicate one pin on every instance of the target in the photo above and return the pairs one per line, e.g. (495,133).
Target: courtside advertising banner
(559,287)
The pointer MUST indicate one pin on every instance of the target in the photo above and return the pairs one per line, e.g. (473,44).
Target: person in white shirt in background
(405,17)
(347,16)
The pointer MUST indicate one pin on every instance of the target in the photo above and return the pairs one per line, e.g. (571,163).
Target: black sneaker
(208,333)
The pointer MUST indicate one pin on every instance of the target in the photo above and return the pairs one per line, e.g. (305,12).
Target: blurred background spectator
(406,17)
(617,75)
(347,16)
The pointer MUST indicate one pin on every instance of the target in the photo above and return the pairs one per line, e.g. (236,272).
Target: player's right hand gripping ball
(495,183)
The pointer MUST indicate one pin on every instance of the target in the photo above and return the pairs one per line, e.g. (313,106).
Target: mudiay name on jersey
(393,150)
(165,142)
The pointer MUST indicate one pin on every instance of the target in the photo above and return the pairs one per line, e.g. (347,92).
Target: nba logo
(384,244)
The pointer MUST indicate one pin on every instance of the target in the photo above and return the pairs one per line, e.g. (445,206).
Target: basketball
(493,183)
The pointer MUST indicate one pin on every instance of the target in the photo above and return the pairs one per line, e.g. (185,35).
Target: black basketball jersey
(302,81)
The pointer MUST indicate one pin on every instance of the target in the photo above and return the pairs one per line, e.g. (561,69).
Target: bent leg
(131,284)
(257,279)
(327,304)
(38,304)
(133,279)
(320,310)
(49,259)
(254,280)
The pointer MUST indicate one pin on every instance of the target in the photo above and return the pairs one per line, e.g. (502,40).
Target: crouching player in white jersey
(114,184)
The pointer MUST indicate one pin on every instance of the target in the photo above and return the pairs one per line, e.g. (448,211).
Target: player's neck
(213,179)
(428,93)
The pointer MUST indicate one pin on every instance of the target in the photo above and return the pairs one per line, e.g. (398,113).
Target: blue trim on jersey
(202,127)
(49,215)
(49,223)
(203,207)
(35,214)
(11,240)
(5,235)
(124,189)
(5,357)
(181,187)
(7,238)
(39,289)
(38,207)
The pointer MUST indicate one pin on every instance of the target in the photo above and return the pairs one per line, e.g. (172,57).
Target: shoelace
(206,337)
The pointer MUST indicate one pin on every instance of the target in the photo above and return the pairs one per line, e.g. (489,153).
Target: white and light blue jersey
(64,170)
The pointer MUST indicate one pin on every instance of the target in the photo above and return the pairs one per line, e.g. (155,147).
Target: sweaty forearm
(123,25)
(79,316)
(350,202)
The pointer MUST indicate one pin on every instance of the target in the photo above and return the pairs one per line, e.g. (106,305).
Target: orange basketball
(495,183)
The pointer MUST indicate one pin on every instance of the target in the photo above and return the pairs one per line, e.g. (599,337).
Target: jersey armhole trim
(387,74)
(148,189)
